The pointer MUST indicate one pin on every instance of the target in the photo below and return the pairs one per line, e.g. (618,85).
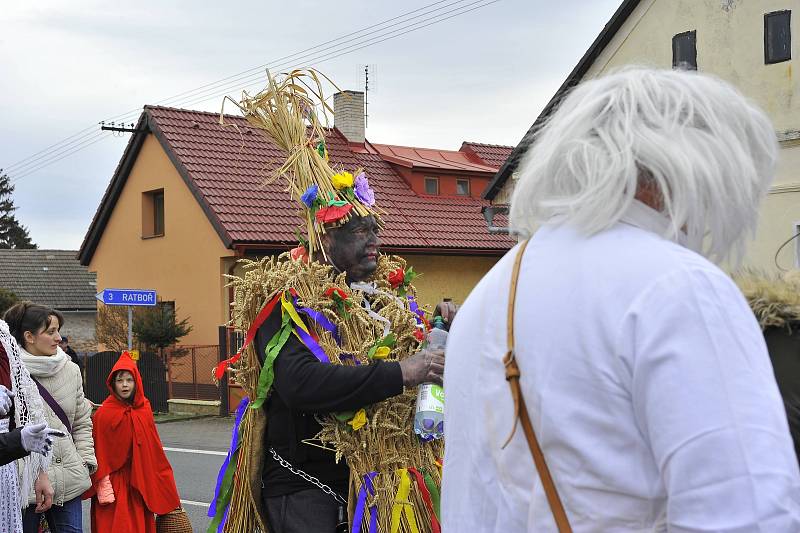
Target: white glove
(39,438)
(6,401)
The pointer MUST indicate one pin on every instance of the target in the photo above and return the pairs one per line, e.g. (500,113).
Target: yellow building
(748,43)
(188,200)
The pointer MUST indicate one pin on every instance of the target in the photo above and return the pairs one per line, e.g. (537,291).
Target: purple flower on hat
(310,195)
(363,191)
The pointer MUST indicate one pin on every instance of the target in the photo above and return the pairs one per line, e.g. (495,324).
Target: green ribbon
(270,353)
(224,497)
(434,494)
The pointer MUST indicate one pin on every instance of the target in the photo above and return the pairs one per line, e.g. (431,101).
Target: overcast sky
(482,76)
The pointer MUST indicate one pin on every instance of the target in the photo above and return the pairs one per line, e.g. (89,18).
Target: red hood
(126,363)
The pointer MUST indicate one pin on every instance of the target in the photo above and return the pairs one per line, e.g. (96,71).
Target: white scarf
(42,366)
(28,410)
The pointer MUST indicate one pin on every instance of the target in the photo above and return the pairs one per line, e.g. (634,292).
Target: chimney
(348,115)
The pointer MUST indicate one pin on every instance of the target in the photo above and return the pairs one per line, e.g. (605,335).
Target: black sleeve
(306,384)
(11,446)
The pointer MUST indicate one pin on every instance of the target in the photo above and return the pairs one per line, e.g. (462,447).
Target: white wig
(709,152)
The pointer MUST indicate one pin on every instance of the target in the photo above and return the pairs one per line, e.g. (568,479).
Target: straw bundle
(286,112)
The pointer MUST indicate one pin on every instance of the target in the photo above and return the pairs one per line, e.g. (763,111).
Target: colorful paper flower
(419,335)
(299,254)
(310,195)
(382,352)
(364,193)
(396,277)
(332,213)
(359,420)
(336,292)
(342,180)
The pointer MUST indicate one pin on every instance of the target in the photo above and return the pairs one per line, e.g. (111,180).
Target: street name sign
(127,297)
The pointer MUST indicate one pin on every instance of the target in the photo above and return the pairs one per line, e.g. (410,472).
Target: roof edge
(602,40)
(212,217)
(113,191)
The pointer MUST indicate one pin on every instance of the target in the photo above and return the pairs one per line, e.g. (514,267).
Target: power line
(53,155)
(78,148)
(136,111)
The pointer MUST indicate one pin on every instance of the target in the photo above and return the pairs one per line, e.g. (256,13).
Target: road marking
(188,450)
(199,504)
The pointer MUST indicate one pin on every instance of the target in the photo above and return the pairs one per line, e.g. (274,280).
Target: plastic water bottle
(429,417)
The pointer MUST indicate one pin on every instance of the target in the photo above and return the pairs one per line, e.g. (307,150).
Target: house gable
(730,44)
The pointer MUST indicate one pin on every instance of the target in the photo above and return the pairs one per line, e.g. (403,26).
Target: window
(431,185)
(462,187)
(153,214)
(684,50)
(777,37)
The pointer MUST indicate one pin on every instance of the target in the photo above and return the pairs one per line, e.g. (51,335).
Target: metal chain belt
(308,477)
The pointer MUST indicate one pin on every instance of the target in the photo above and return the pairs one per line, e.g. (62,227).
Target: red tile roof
(429,158)
(493,155)
(225,168)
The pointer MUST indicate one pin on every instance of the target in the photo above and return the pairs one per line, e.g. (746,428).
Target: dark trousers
(306,511)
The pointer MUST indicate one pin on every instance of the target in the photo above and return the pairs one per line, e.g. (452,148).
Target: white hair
(709,152)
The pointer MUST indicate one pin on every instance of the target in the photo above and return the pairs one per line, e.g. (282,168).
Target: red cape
(125,438)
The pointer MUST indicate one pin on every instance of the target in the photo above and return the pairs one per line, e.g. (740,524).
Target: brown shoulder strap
(521,412)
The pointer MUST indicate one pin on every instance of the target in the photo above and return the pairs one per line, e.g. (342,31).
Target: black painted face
(353,248)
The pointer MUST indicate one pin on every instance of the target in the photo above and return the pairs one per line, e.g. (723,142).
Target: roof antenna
(366,96)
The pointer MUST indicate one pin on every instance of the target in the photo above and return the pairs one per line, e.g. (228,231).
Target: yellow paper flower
(381,353)
(359,420)
(342,180)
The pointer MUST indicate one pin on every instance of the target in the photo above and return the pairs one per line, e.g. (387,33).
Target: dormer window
(432,186)
(462,187)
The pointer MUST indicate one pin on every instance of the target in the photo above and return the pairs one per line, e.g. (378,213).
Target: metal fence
(189,372)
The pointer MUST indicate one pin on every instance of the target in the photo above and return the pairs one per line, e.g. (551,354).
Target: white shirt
(648,384)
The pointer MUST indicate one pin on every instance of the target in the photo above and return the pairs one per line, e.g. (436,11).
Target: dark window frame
(158,212)
(690,63)
(431,179)
(774,58)
(469,191)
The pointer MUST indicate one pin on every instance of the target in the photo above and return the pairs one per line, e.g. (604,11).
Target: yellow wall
(730,44)
(185,265)
(445,276)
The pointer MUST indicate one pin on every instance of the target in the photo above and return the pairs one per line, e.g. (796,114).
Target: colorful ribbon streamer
(361,503)
(319,318)
(271,351)
(302,332)
(218,510)
(401,504)
(430,494)
(420,314)
(251,334)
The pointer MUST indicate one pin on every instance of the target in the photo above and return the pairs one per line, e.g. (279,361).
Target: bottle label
(430,398)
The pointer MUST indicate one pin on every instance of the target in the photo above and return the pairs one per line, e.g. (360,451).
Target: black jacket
(303,387)
(11,447)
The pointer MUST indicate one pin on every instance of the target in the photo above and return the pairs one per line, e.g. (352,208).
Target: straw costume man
(324,440)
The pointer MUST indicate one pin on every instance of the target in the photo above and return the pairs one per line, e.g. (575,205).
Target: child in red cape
(133,480)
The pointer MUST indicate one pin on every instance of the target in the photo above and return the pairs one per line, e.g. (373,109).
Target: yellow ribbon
(289,308)
(402,505)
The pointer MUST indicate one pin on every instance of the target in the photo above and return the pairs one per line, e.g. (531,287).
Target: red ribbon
(251,334)
(426,496)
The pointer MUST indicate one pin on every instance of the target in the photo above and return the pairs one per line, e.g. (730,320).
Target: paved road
(196,450)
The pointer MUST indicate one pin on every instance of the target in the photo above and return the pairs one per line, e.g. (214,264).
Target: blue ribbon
(358,515)
(212,509)
(312,345)
(319,318)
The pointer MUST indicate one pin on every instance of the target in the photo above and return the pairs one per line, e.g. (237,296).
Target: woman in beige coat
(36,329)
